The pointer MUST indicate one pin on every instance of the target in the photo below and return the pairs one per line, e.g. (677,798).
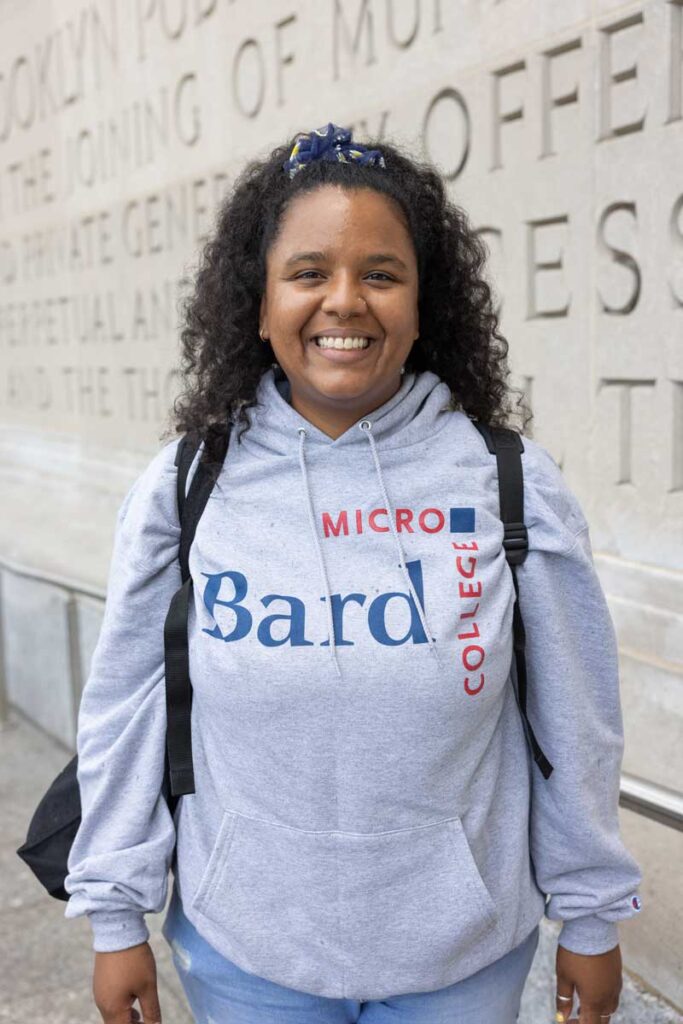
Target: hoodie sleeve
(580,862)
(119,861)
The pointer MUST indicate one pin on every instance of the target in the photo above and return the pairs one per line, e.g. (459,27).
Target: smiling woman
(366,836)
(341,248)
(333,387)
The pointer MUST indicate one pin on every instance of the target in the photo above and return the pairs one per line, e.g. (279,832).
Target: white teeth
(342,343)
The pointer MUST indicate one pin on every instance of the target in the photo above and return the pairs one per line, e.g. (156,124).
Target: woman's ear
(263,330)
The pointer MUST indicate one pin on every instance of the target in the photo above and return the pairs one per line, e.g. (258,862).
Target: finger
(564,994)
(564,998)
(149,1004)
(117,1016)
(589,1015)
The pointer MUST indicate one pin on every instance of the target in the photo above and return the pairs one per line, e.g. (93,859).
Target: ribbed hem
(117,929)
(589,935)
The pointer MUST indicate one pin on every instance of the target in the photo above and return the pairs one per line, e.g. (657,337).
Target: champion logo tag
(635,903)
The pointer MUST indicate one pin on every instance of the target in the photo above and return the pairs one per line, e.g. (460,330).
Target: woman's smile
(330,348)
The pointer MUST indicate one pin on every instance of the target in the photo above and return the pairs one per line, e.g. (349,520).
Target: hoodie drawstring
(321,560)
(366,427)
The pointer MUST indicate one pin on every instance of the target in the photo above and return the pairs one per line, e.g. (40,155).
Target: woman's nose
(343,297)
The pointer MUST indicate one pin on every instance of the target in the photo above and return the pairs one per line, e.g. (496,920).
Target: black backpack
(57,817)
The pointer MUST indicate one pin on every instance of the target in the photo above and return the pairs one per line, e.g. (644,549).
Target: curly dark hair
(223,358)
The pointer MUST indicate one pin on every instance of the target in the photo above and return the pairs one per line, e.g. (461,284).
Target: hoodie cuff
(117,929)
(589,935)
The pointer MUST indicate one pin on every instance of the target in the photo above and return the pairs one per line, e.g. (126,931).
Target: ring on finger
(564,999)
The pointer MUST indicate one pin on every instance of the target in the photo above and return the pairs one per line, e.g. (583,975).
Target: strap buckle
(515,542)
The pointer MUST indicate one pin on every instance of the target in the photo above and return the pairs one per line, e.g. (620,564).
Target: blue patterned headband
(329,143)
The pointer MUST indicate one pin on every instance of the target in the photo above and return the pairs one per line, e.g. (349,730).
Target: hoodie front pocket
(272,892)
(216,861)
(415,908)
(343,914)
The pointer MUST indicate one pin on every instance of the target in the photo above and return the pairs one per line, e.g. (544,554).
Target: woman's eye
(300,277)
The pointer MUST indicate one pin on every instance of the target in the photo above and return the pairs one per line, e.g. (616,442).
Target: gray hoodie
(366,821)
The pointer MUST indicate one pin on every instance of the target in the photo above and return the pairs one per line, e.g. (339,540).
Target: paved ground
(47,960)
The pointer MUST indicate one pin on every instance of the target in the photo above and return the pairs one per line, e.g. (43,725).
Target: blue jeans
(219,992)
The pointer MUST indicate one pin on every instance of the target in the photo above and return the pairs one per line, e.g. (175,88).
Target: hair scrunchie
(330,142)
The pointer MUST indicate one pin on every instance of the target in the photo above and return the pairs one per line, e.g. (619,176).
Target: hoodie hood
(415,412)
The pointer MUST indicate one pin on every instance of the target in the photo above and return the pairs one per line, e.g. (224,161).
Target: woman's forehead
(319,220)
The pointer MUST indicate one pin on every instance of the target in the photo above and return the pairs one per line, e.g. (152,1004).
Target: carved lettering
(534,308)
(549,100)
(500,117)
(625,423)
(622,258)
(610,78)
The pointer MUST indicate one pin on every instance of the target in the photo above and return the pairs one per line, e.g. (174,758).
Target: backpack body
(57,817)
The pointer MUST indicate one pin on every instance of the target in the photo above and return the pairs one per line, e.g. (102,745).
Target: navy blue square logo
(462,520)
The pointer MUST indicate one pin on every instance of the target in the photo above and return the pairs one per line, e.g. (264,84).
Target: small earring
(403,369)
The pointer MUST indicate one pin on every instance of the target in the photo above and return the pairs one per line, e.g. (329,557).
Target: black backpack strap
(179,772)
(187,449)
(191,512)
(507,445)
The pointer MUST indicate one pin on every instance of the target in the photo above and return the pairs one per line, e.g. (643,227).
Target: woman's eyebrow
(312,257)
